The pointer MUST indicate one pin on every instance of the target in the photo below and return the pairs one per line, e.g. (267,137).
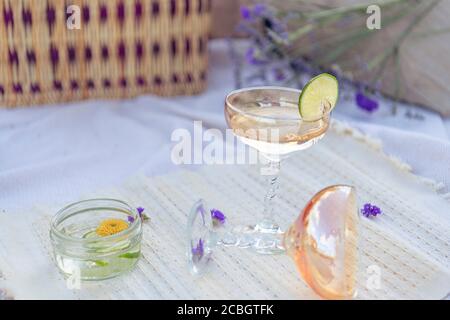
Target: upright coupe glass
(268,120)
(322,241)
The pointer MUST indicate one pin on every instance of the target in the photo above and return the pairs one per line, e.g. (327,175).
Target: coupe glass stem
(268,224)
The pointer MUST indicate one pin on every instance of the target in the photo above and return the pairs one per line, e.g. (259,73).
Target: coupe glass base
(201,238)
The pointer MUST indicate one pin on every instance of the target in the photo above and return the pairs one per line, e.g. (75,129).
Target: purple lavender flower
(250,14)
(370,210)
(279,74)
(366,103)
(245,13)
(130,219)
(141,213)
(251,55)
(259,9)
(198,250)
(218,217)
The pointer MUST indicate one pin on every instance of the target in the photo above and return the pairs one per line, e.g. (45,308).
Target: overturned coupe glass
(322,241)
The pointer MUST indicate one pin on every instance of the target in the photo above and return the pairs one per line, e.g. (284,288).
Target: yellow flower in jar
(109,227)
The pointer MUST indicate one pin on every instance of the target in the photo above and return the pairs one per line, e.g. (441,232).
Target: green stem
(300,32)
(430,33)
(380,58)
(356,7)
(343,47)
(397,79)
(330,16)
(348,37)
(295,35)
(318,5)
(396,49)
(379,72)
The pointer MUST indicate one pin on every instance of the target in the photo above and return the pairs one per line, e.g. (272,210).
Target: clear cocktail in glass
(268,120)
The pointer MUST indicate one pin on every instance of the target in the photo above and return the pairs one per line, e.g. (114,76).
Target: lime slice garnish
(320,93)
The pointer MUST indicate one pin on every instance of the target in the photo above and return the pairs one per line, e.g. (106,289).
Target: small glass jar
(80,251)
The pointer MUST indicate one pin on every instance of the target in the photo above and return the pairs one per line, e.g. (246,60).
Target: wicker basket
(124,48)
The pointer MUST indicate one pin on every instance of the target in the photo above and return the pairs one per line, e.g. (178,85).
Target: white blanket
(403,253)
(57,154)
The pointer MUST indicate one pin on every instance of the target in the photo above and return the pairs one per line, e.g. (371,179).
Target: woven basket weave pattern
(124,48)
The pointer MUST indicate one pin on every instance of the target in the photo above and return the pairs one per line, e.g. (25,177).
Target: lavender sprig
(369,210)
(277,43)
(245,13)
(250,13)
(365,102)
(218,217)
(199,250)
(142,215)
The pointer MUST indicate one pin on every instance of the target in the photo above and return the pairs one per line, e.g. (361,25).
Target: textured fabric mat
(408,244)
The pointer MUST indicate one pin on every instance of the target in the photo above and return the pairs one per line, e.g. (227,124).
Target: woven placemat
(408,244)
